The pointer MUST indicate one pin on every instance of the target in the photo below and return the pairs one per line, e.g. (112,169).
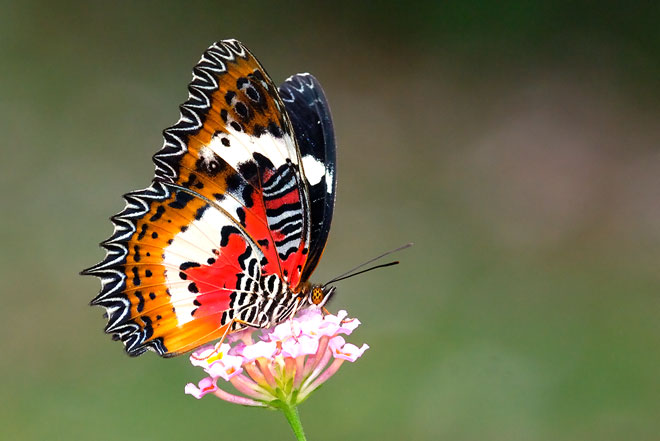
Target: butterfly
(236,218)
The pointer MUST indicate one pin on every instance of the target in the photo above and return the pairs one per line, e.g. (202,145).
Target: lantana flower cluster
(283,366)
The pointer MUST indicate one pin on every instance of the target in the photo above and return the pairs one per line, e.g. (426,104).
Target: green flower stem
(292,416)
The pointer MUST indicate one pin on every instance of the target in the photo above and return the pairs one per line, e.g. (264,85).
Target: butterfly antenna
(351,272)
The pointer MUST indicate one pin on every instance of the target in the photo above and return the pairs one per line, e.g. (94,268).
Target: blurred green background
(516,143)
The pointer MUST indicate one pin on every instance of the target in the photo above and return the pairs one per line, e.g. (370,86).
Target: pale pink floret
(265,349)
(202,356)
(216,361)
(206,355)
(346,351)
(226,368)
(206,386)
(286,362)
(301,346)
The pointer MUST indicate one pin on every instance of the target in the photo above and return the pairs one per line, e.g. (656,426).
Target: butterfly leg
(244,323)
(216,347)
(326,312)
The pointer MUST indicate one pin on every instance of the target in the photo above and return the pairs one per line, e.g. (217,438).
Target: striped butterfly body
(236,218)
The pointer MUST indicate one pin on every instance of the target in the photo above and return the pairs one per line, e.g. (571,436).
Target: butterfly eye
(317,295)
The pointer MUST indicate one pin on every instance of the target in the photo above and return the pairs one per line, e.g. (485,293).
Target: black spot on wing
(258,75)
(249,171)
(258,130)
(229,96)
(243,111)
(263,162)
(140,297)
(225,232)
(136,277)
(233,182)
(159,212)
(181,200)
(143,231)
(247,196)
(252,93)
(193,181)
(275,130)
(200,211)
(186,265)
(241,215)
(211,165)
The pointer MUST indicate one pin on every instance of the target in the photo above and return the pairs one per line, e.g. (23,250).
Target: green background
(516,143)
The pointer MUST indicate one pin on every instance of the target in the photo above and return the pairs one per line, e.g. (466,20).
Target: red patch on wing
(218,279)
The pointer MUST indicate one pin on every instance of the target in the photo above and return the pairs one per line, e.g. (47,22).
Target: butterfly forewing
(244,146)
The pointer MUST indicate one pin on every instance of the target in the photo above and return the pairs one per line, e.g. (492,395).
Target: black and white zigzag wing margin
(111,272)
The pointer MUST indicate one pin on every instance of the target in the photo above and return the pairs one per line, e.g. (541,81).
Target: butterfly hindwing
(309,112)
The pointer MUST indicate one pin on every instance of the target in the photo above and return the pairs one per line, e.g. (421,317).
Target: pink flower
(285,364)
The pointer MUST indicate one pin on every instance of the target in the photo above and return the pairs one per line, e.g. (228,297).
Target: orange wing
(223,228)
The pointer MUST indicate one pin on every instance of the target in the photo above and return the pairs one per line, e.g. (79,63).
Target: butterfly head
(318,295)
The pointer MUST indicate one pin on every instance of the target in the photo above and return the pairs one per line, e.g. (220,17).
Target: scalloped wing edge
(199,102)
(174,147)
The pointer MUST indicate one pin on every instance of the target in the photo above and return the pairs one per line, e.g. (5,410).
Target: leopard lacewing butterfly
(236,218)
